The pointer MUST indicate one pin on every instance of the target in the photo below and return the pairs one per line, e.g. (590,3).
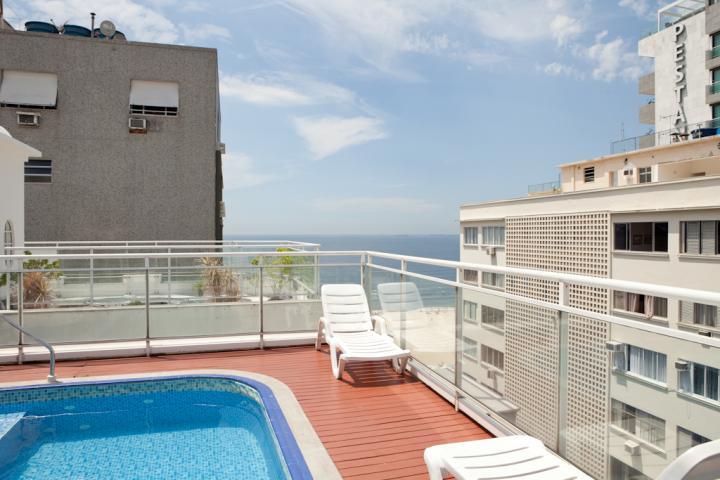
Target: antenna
(92,24)
(107,28)
(622,130)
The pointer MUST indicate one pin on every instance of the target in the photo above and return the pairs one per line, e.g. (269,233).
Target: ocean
(445,247)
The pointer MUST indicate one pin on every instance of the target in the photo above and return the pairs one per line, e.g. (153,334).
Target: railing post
(92,278)
(403,316)
(261,262)
(563,338)
(458,330)
(147,306)
(21,308)
(169,275)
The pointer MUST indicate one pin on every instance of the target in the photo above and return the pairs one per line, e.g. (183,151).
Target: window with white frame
(470,349)
(493,357)
(38,171)
(28,89)
(641,236)
(699,314)
(470,312)
(687,439)
(493,235)
(646,363)
(154,98)
(494,280)
(470,235)
(646,305)
(701,380)
(700,237)
(470,276)
(639,423)
(493,317)
(645,175)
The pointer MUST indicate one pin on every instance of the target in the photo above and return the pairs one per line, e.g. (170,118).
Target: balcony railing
(666,137)
(535,353)
(713,88)
(713,53)
(544,188)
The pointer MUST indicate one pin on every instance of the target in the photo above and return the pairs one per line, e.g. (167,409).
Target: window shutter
(686,312)
(692,237)
(709,232)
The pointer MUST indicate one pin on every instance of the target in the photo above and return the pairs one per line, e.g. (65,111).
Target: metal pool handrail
(51,376)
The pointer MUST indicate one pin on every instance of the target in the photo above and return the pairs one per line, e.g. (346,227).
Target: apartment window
(646,363)
(700,237)
(639,423)
(470,276)
(699,314)
(154,98)
(470,349)
(493,280)
(623,471)
(493,317)
(493,357)
(589,174)
(645,174)
(641,236)
(716,40)
(687,439)
(716,75)
(701,380)
(643,304)
(470,312)
(715,114)
(493,235)
(470,235)
(38,171)
(28,89)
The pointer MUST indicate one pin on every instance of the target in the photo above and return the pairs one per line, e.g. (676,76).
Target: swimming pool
(172,427)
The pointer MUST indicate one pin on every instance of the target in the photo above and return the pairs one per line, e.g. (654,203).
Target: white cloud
(612,59)
(556,69)
(327,135)
(239,171)
(406,205)
(641,8)
(283,89)
(204,31)
(564,28)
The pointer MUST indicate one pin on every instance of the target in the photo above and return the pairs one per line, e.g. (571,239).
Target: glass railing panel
(210,299)
(84,306)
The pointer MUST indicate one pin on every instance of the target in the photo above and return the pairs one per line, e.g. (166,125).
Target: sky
(384,116)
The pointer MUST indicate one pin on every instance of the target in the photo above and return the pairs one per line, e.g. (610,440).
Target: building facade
(129,133)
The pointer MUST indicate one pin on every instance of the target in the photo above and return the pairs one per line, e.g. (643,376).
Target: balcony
(515,359)
(646,84)
(546,188)
(647,114)
(712,53)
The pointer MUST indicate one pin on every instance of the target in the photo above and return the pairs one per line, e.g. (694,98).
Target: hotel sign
(680,76)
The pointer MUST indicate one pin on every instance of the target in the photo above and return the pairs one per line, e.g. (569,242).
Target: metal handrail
(51,378)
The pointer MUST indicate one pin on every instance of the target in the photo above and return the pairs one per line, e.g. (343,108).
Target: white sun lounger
(349,330)
(522,457)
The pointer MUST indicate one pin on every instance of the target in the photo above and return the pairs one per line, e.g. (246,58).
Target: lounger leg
(434,464)
(337,361)
(399,364)
(320,335)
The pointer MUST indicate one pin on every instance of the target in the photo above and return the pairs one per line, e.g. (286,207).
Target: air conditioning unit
(632,448)
(682,366)
(221,148)
(490,251)
(614,347)
(137,125)
(27,119)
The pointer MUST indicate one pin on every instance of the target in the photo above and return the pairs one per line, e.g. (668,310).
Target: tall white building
(626,402)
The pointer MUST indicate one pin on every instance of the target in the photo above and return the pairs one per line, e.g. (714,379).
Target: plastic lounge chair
(515,457)
(349,330)
(523,457)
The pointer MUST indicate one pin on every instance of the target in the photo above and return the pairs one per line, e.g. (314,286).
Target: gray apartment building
(129,131)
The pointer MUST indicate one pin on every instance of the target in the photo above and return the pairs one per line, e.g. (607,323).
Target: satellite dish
(107,28)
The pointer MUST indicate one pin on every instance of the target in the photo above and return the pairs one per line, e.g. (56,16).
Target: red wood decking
(374,424)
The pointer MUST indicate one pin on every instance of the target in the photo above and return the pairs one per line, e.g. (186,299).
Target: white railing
(153,297)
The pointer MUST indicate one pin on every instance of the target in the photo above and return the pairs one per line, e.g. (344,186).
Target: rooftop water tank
(76,31)
(43,27)
(115,36)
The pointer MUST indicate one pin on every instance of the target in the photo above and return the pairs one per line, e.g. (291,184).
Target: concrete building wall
(662,47)
(109,184)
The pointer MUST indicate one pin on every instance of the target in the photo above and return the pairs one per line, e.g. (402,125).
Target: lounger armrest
(379,324)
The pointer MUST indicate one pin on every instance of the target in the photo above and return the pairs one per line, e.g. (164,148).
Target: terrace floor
(374,424)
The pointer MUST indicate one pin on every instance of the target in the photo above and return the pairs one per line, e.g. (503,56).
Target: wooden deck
(374,424)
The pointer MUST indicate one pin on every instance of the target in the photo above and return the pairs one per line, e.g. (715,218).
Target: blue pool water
(179,428)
